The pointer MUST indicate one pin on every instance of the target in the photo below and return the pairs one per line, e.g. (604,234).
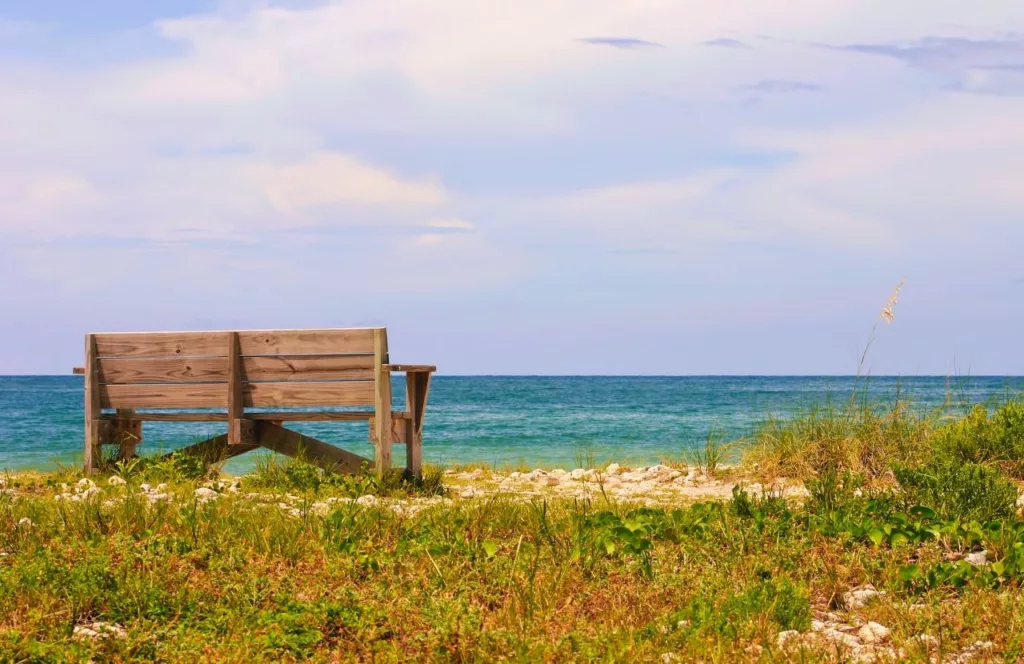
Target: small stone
(204,494)
(856,599)
(116,481)
(928,641)
(85,483)
(1020,500)
(978,558)
(25,522)
(873,633)
(668,657)
(613,469)
(368,500)
(785,637)
(99,630)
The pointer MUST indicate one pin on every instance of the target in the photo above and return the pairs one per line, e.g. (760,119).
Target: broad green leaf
(490,548)
(910,572)
(876,536)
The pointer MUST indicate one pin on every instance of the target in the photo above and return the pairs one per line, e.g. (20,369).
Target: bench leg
(127,434)
(417,387)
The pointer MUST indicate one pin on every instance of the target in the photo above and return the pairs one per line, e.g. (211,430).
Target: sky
(532,187)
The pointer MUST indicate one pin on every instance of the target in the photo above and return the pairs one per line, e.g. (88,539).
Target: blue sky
(548,186)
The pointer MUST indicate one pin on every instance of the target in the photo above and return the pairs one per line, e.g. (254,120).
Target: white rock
(116,481)
(669,657)
(873,633)
(1020,500)
(85,483)
(927,640)
(145,487)
(161,487)
(848,640)
(204,494)
(157,497)
(470,492)
(613,469)
(558,472)
(25,522)
(99,630)
(368,500)
(785,637)
(577,474)
(978,558)
(856,599)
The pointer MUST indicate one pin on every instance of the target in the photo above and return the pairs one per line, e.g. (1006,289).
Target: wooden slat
(306,342)
(161,344)
(315,367)
(286,416)
(253,342)
(163,370)
(131,370)
(176,417)
(185,395)
(350,393)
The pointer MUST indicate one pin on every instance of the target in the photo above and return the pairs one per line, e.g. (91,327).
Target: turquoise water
(549,421)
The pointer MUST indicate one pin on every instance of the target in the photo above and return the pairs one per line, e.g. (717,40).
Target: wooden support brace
(216,449)
(295,445)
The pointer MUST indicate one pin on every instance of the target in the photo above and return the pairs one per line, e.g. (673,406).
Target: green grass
(290,566)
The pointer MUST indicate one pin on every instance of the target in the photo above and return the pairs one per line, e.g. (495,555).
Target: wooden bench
(219,376)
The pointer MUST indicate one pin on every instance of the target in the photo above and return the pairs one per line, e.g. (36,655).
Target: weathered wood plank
(93,406)
(295,445)
(184,395)
(161,344)
(382,403)
(309,367)
(286,416)
(306,342)
(131,370)
(253,342)
(350,393)
(117,370)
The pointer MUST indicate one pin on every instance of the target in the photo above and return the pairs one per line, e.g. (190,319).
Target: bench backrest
(247,368)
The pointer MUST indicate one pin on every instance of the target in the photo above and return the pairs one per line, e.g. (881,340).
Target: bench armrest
(412,368)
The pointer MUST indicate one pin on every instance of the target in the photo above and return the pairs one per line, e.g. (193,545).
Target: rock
(848,640)
(669,657)
(25,522)
(470,492)
(972,652)
(85,483)
(858,598)
(873,633)
(1020,500)
(577,474)
(368,500)
(116,481)
(99,630)
(613,469)
(558,472)
(204,494)
(927,641)
(785,637)
(978,558)
(157,497)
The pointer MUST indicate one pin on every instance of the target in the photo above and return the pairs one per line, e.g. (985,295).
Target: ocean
(507,421)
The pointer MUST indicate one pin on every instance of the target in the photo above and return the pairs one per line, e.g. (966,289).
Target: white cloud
(330,179)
